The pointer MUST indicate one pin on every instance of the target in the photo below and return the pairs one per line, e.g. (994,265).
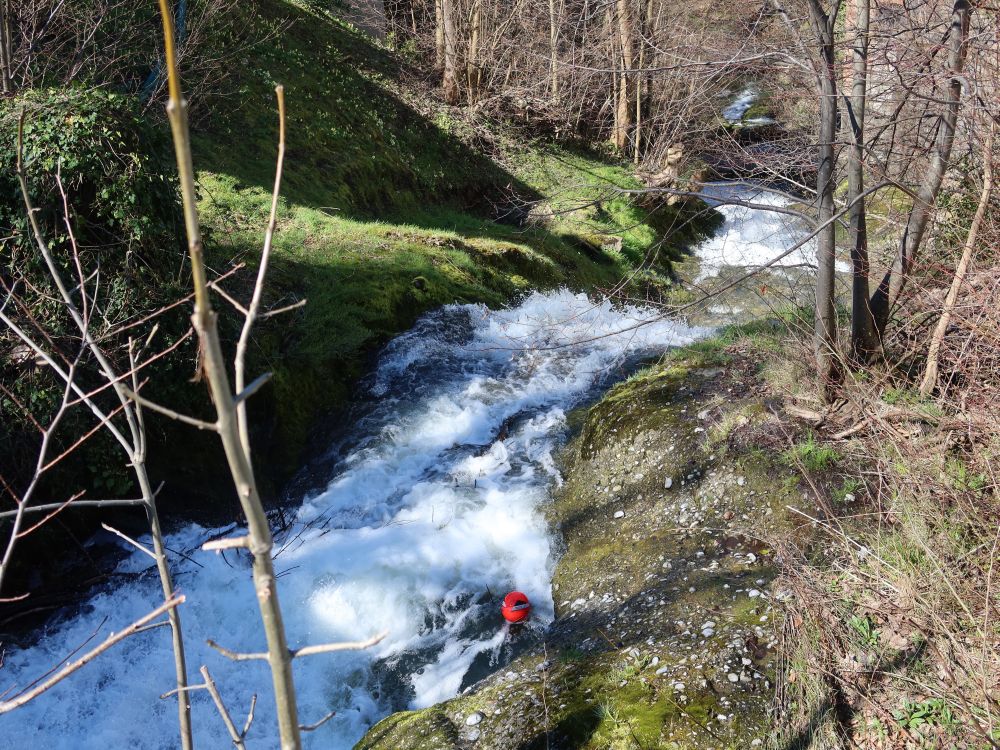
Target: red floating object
(515,607)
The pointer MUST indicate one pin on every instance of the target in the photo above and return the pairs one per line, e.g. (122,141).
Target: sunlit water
(753,237)
(432,512)
(736,110)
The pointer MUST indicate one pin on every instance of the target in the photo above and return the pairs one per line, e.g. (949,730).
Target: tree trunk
(623,116)
(892,283)
(205,322)
(450,79)
(6,66)
(825,336)
(864,338)
(439,35)
(174,618)
(931,373)
(474,72)
(553,50)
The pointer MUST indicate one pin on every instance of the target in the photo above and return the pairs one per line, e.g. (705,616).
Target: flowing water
(433,510)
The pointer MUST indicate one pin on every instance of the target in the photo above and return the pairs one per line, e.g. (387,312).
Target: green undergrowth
(388,211)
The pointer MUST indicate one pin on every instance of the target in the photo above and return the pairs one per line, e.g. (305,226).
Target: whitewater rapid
(751,237)
(433,510)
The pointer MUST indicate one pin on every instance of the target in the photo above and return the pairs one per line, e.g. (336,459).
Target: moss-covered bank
(664,633)
(392,204)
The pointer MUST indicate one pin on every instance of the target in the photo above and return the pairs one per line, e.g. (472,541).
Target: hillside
(393,204)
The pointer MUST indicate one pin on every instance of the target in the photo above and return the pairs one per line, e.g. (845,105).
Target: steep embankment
(664,633)
(392,205)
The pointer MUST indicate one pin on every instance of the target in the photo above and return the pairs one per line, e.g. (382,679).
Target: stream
(430,510)
(431,513)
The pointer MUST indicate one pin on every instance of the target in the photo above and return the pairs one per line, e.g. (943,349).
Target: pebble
(708,632)
(679,687)
(733,677)
(753,593)
(662,670)
(668,483)
(474,718)
(619,514)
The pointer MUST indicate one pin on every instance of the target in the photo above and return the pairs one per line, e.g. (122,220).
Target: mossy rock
(665,621)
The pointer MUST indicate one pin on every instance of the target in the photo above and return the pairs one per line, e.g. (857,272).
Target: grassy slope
(358,148)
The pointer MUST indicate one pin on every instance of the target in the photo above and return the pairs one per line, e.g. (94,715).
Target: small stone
(741,481)
(679,687)
(756,743)
(474,718)
(708,632)
(662,670)
(542,666)
(733,677)
(619,514)
(668,483)
(753,593)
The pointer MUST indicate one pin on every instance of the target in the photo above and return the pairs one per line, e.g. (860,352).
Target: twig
(280,310)
(223,712)
(249,721)
(107,503)
(130,540)
(217,545)
(318,724)
(251,389)
(323,648)
(199,423)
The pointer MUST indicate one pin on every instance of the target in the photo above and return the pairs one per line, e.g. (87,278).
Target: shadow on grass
(353,143)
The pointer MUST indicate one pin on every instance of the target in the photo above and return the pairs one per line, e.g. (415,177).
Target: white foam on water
(432,512)
(734,111)
(752,237)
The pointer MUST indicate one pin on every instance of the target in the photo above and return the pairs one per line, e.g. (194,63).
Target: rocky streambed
(665,627)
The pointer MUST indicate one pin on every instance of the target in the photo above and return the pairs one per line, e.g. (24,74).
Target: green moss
(429,729)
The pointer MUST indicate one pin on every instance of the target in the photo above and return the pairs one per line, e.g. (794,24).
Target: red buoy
(515,607)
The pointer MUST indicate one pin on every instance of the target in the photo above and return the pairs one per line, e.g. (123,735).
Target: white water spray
(432,512)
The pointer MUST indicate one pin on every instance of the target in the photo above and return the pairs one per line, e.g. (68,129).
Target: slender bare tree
(887,293)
